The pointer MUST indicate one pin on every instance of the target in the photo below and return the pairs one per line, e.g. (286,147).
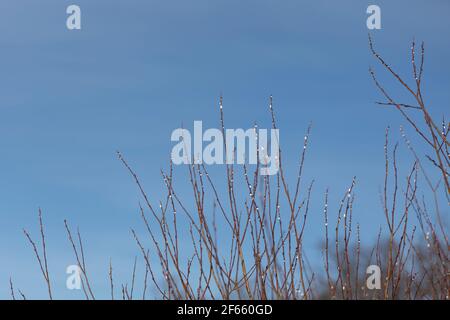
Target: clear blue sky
(138,69)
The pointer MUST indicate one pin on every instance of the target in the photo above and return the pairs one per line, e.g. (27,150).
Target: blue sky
(138,69)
